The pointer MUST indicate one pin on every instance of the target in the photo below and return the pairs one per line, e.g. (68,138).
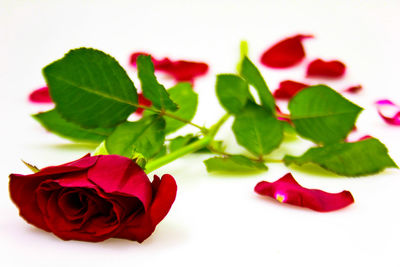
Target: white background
(217,220)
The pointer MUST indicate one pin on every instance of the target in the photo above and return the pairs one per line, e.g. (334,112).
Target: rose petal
(285,53)
(326,69)
(121,176)
(287,89)
(353,89)
(41,95)
(163,199)
(389,111)
(142,101)
(180,70)
(287,190)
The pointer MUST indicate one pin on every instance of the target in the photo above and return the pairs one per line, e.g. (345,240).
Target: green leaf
(257,130)
(90,88)
(234,163)
(350,159)
(53,122)
(33,168)
(253,76)
(232,92)
(145,136)
(153,90)
(322,115)
(183,95)
(181,141)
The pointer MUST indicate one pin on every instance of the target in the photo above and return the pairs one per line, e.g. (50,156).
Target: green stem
(193,147)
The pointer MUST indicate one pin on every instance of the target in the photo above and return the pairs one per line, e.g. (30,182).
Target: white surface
(216,220)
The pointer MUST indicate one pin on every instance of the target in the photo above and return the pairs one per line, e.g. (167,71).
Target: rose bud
(94,198)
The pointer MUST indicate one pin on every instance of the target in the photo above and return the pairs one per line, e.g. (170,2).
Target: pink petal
(287,190)
(180,70)
(326,69)
(389,111)
(353,89)
(285,53)
(287,89)
(40,95)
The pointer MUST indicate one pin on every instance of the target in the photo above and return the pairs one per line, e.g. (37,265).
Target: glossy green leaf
(145,136)
(350,159)
(152,89)
(181,141)
(234,163)
(257,130)
(322,115)
(232,92)
(253,76)
(90,88)
(183,95)
(53,122)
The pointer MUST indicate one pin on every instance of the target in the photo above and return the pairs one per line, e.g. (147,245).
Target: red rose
(93,199)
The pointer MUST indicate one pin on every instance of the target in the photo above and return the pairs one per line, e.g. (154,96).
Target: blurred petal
(353,89)
(285,53)
(287,89)
(389,111)
(326,69)
(40,95)
(287,190)
(142,101)
(180,70)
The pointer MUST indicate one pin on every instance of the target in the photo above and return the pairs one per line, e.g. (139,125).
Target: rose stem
(193,147)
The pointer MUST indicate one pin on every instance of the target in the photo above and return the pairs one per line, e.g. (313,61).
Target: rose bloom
(94,198)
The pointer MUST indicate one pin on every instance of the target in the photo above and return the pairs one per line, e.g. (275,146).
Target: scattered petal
(353,89)
(143,102)
(40,95)
(282,116)
(326,69)
(287,190)
(180,70)
(285,53)
(389,111)
(287,89)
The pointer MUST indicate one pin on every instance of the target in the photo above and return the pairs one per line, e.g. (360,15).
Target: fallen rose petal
(326,69)
(389,111)
(353,89)
(41,95)
(287,89)
(142,101)
(285,53)
(287,190)
(180,70)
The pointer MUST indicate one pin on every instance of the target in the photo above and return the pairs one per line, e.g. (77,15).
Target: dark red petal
(144,102)
(389,111)
(326,69)
(287,89)
(117,174)
(41,95)
(180,70)
(287,190)
(353,89)
(285,53)
(163,199)
(138,229)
